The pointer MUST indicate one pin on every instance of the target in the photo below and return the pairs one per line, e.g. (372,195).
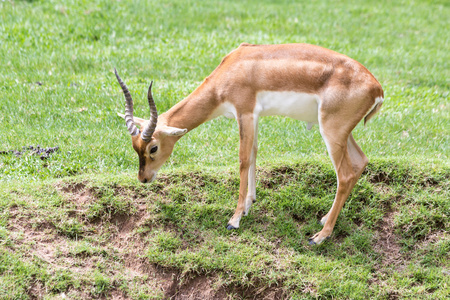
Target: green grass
(72,47)
(79,223)
(94,235)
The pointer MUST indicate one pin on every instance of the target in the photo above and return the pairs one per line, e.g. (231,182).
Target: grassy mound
(94,236)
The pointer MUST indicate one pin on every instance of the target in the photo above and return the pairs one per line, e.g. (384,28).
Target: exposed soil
(126,249)
(37,290)
(387,242)
(391,257)
(194,286)
(270,179)
(381,176)
(43,242)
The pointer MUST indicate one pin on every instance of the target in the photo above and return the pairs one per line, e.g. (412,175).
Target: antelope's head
(154,141)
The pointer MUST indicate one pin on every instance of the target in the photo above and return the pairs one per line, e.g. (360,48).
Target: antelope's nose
(142,179)
(146,179)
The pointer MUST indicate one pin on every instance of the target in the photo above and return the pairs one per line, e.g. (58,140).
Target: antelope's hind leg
(349,162)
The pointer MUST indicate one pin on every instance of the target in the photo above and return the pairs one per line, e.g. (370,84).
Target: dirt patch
(381,176)
(131,248)
(73,188)
(37,290)
(117,295)
(259,292)
(388,247)
(77,193)
(198,286)
(387,243)
(123,255)
(80,194)
(383,189)
(270,179)
(37,243)
(431,238)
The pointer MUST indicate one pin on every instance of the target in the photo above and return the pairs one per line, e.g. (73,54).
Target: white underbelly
(299,106)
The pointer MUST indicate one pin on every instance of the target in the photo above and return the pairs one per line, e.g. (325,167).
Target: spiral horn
(132,129)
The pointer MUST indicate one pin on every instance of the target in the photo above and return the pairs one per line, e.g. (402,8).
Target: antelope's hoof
(316,240)
(230,227)
(311,241)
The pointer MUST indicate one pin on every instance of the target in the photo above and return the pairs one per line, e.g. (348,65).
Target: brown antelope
(301,81)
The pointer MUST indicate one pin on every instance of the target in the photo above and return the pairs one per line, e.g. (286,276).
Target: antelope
(305,82)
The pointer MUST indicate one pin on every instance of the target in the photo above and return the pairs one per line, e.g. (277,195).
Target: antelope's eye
(154,149)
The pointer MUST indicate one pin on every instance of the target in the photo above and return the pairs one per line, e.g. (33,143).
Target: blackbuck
(305,82)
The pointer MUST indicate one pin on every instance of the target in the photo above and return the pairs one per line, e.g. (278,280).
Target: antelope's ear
(173,131)
(138,121)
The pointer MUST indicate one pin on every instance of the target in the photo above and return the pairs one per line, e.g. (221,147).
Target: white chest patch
(299,106)
(225,109)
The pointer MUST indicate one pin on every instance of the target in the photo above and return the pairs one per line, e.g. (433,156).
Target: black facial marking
(141,162)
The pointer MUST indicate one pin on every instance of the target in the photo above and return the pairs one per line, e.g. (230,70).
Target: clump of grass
(61,281)
(71,228)
(102,284)
(108,203)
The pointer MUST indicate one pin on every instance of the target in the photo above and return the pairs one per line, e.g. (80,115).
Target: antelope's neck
(194,110)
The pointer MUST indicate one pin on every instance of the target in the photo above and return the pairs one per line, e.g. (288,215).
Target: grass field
(79,225)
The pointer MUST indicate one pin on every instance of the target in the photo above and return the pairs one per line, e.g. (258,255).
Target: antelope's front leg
(247,135)
(251,192)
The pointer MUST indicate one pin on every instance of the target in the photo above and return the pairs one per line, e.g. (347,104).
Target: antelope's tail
(376,107)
